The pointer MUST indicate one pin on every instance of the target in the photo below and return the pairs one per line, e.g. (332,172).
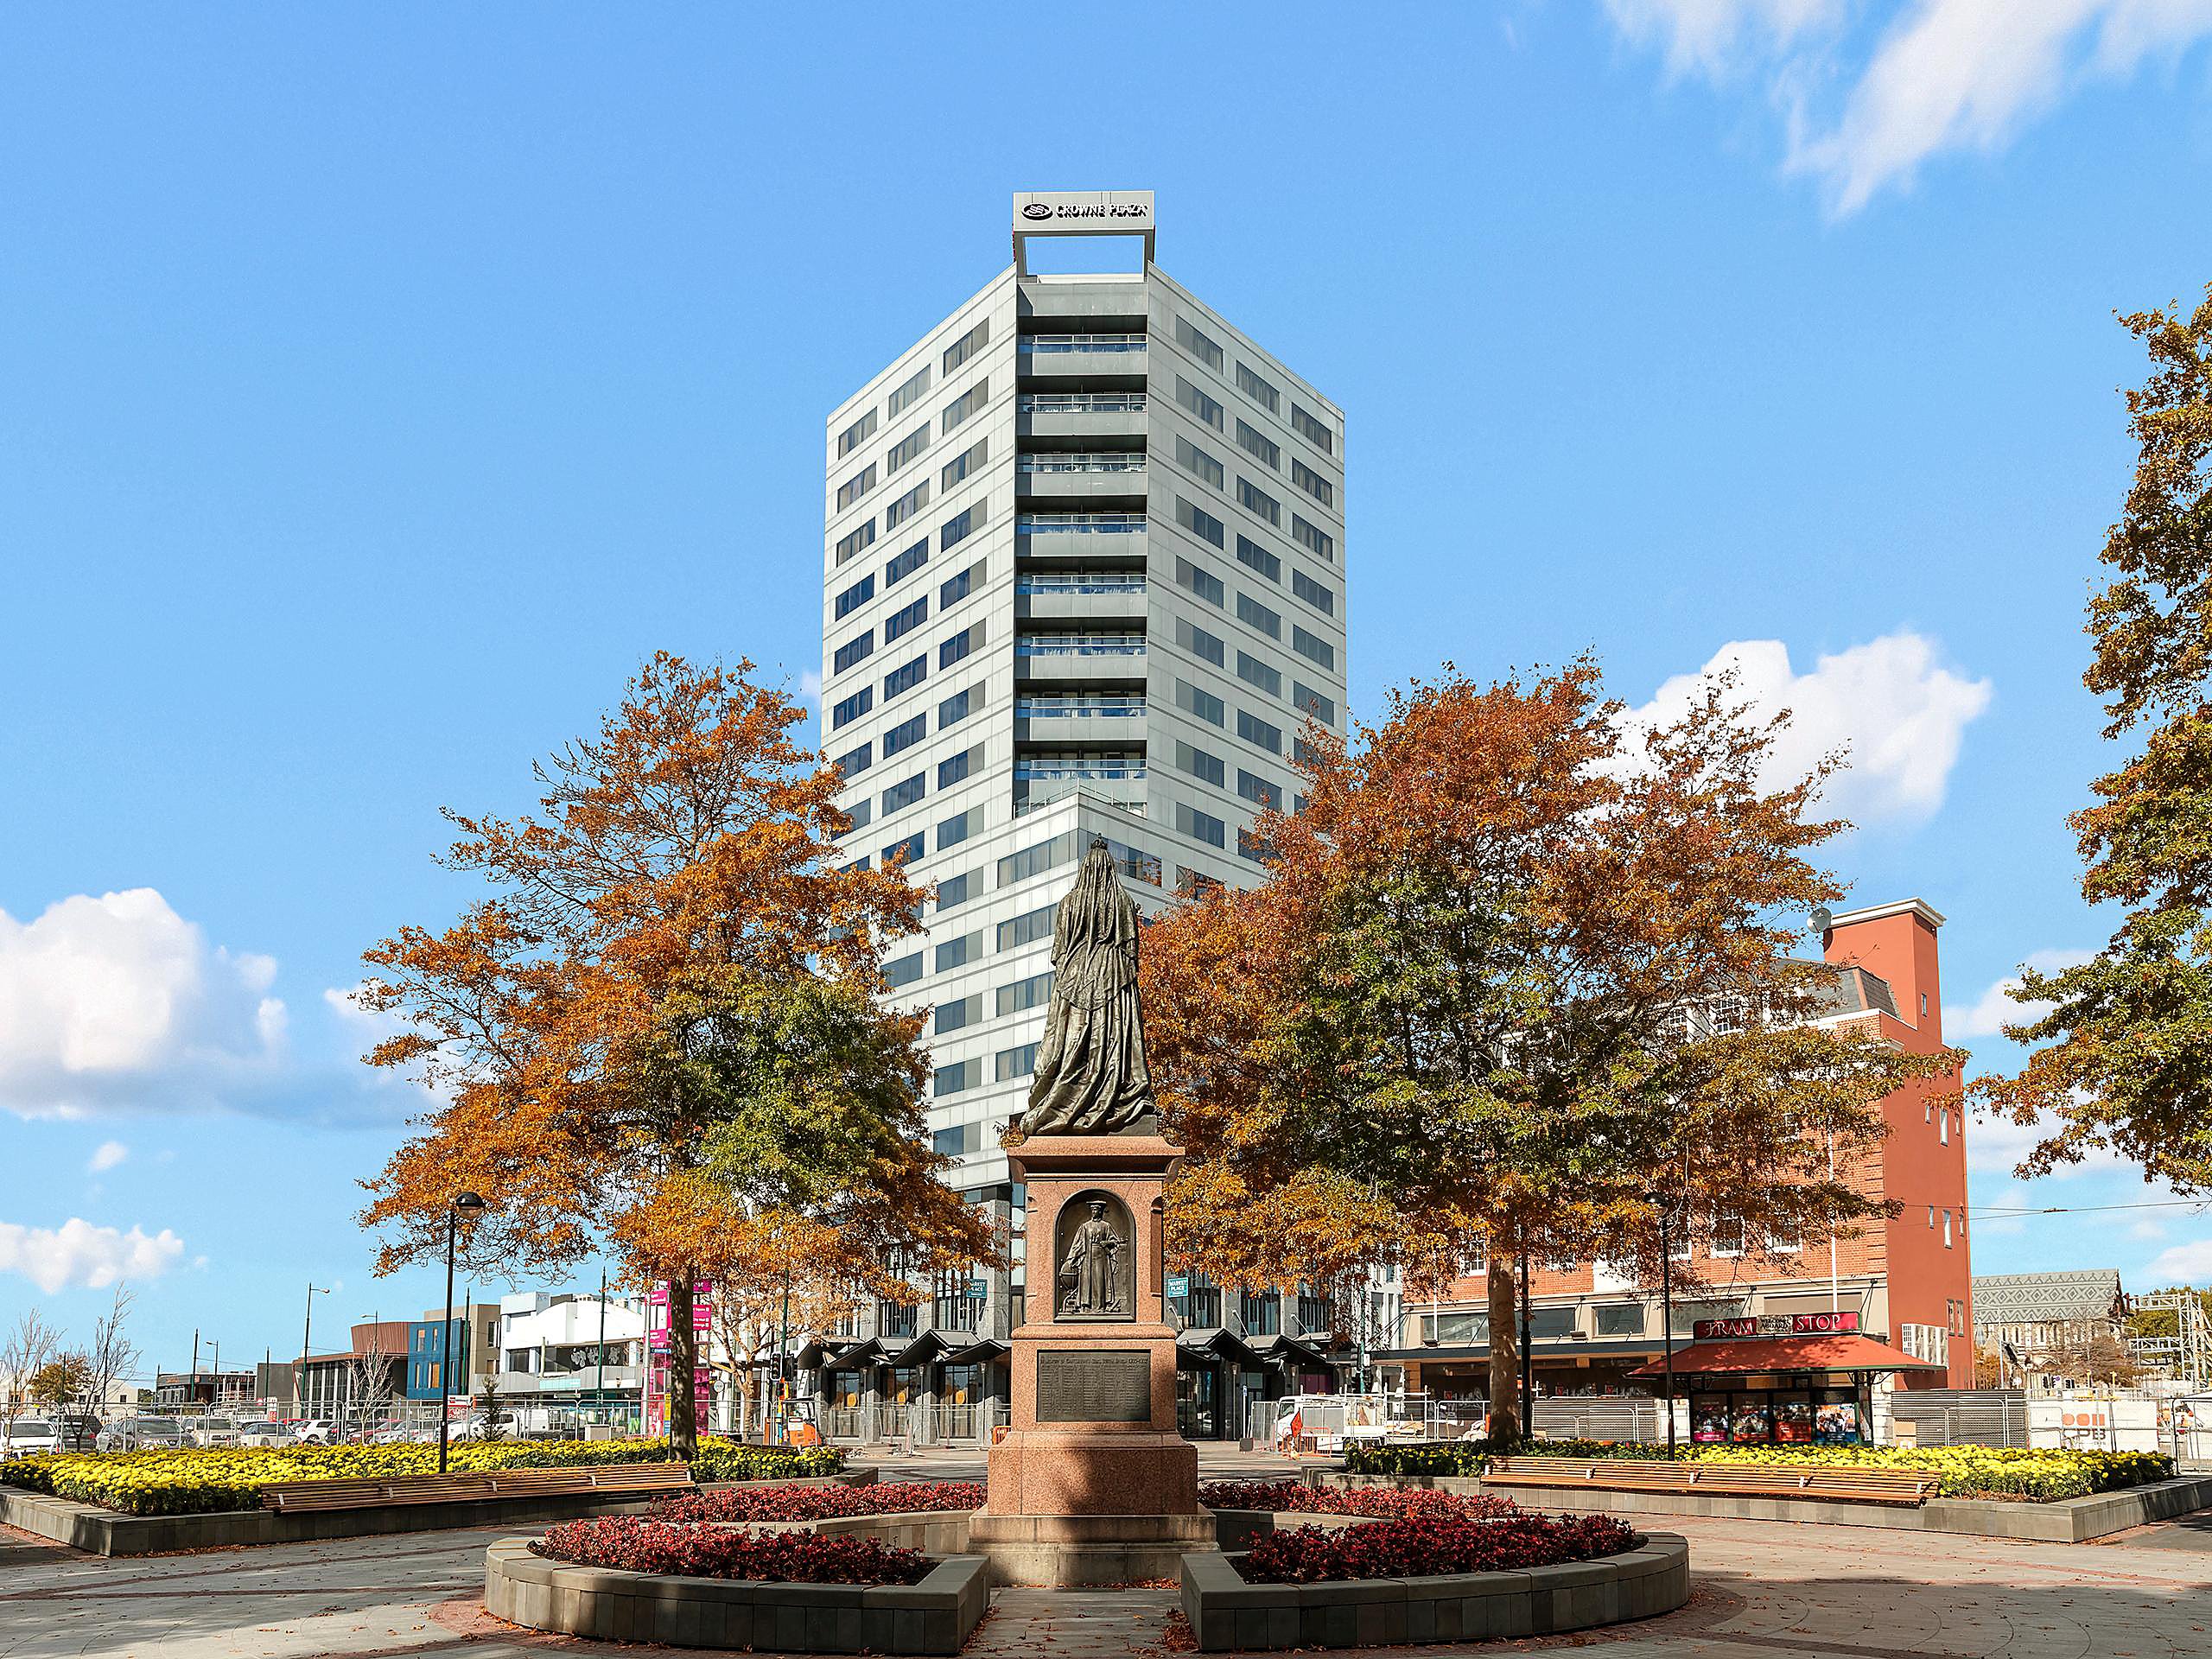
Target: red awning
(1840,1351)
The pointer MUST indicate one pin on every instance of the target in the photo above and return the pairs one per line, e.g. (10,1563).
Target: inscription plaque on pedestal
(1094,1385)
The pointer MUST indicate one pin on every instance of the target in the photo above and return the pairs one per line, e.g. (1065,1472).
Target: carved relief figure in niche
(1093,1268)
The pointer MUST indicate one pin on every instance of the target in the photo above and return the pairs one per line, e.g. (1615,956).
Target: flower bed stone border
(935,1616)
(1226,1612)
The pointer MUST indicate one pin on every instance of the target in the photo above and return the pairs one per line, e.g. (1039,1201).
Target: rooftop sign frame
(1081,213)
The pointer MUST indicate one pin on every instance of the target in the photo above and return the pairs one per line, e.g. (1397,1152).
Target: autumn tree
(61,1382)
(2126,1063)
(595,1023)
(780,1274)
(1517,973)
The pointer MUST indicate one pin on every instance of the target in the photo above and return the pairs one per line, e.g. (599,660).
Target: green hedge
(1962,1471)
(191,1480)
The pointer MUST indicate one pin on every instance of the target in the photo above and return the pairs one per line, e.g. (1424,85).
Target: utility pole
(599,1368)
(192,1388)
(307,1329)
(1527,1361)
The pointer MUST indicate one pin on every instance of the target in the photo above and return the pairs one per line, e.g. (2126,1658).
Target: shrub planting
(1423,1547)
(1384,1503)
(774,1502)
(2043,1475)
(193,1480)
(633,1545)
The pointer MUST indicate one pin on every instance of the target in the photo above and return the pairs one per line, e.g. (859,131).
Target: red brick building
(1907,1281)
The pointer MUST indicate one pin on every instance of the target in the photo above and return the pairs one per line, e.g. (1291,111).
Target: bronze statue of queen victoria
(1091,1076)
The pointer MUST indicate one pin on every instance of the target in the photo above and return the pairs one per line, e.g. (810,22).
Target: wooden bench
(1843,1482)
(383,1491)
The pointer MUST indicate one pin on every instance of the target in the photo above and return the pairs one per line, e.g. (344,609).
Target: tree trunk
(682,1370)
(1505,1352)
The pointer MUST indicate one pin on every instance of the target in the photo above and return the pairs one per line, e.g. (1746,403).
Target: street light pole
(470,1203)
(1667,1322)
(307,1330)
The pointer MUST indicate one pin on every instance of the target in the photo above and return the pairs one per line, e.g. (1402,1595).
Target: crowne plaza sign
(1094,212)
(1775,1324)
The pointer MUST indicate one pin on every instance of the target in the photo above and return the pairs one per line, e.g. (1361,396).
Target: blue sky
(379,388)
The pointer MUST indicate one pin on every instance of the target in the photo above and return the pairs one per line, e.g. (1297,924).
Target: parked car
(212,1431)
(63,1431)
(140,1434)
(503,1428)
(259,1433)
(314,1431)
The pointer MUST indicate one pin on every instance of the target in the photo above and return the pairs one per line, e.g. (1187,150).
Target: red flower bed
(1384,1503)
(641,1546)
(1423,1547)
(788,1501)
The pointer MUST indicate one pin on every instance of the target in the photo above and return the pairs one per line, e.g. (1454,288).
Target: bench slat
(1910,1486)
(383,1491)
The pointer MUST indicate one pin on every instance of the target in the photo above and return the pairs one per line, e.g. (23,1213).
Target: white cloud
(1897,712)
(118,999)
(1865,106)
(79,1254)
(1998,1145)
(1996,1009)
(107,1156)
(2180,1264)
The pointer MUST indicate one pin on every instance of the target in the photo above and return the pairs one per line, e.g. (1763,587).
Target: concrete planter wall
(935,1616)
(1227,1613)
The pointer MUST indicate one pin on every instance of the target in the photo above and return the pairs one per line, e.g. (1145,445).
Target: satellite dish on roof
(1822,919)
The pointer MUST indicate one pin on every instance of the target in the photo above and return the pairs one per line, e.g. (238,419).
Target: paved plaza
(1761,1589)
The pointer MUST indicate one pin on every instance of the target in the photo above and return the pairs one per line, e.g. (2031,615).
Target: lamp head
(467,1203)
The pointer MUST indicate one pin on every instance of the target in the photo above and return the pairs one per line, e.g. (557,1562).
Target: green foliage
(195,1480)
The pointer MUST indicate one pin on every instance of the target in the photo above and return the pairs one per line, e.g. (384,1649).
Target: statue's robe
(1091,1076)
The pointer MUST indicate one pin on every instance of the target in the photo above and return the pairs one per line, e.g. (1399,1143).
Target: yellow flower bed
(191,1480)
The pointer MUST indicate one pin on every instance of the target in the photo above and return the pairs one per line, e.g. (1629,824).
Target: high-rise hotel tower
(1083,574)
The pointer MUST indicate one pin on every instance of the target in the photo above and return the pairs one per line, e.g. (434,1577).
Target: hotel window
(856,596)
(1307,701)
(905,619)
(1200,826)
(1195,883)
(952,892)
(904,679)
(1196,344)
(958,953)
(905,506)
(905,734)
(1258,790)
(1258,389)
(957,1078)
(1258,733)
(1249,846)
(1200,522)
(1023,995)
(1021,864)
(856,435)
(862,813)
(1200,764)
(1254,441)
(967,344)
(960,644)
(1251,555)
(1197,402)
(913,387)
(952,771)
(1314,540)
(856,487)
(853,651)
(1200,465)
(1313,648)
(956,530)
(862,537)
(1026,928)
(1257,502)
(1323,599)
(957,588)
(906,564)
(964,405)
(907,447)
(904,971)
(956,828)
(970,460)
(1253,614)
(1252,671)
(1313,483)
(1199,643)
(954,709)
(1201,581)
(852,707)
(1312,431)
(1019,1061)
(957,1015)
(904,851)
(903,794)
(1206,706)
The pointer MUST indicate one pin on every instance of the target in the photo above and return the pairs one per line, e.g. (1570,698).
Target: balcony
(1096,540)
(1100,362)
(1079,596)
(1097,479)
(1060,660)
(1041,777)
(1092,416)
(1092,721)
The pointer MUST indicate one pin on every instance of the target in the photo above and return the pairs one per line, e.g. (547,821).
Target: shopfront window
(1551,1323)
(1456,1330)
(1197,1408)
(1687,1314)
(1620,1318)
